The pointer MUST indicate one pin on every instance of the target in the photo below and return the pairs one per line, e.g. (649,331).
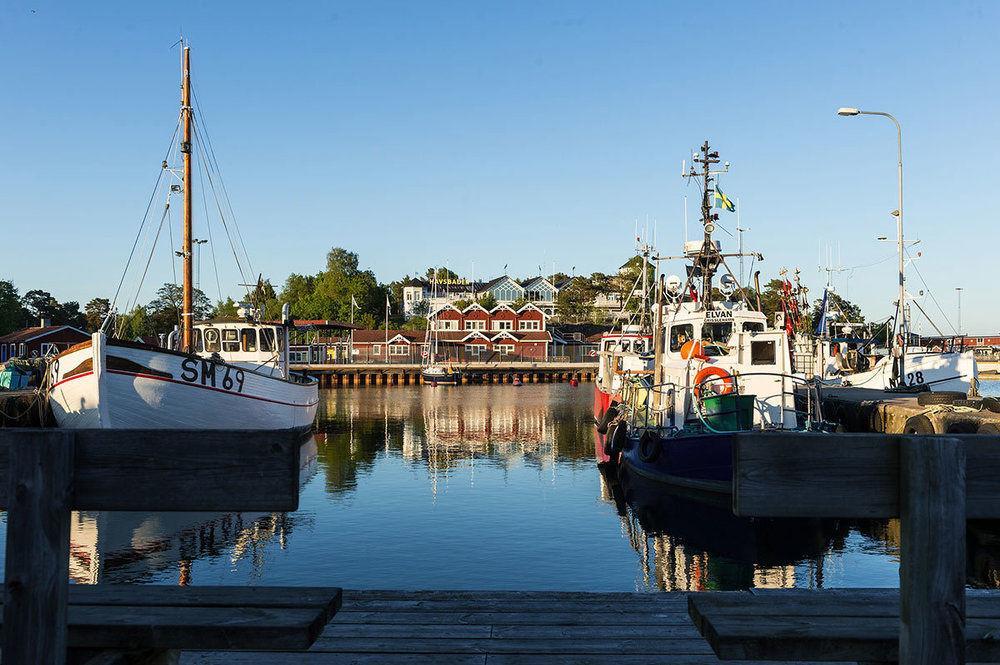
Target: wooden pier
(496,627)
(373,374)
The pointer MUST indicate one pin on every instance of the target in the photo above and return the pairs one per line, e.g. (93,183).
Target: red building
(39,341)
(469,335)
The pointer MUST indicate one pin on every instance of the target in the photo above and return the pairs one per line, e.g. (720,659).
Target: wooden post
(932,551)
(40,491)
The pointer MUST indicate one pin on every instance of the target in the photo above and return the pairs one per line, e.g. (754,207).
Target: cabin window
(230,340)
(503,325)
(475,325)
(212,340)
(717,332)
(248,340)
(504,348)
(267,339)
(679,335)
(376,349)
(530,325)
(398,349)
(762,353)
(625,346)
(753,326)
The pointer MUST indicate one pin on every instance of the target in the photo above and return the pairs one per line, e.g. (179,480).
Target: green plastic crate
(729,413)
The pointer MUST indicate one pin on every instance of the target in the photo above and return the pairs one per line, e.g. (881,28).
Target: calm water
(485,487)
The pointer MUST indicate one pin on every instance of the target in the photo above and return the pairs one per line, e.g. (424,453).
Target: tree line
(343,291)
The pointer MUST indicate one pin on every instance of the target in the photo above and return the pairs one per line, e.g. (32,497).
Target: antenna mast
(187,313)
(708,258)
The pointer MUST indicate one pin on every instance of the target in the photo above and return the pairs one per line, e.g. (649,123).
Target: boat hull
(442,379)
(104,385)
(937,371)
(699,463)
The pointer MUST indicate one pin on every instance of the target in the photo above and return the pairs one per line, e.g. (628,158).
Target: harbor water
(487,487)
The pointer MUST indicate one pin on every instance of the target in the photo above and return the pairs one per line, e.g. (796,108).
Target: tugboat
(718,369)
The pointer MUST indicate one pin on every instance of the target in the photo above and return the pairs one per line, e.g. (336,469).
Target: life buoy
(707,373)
(691,350)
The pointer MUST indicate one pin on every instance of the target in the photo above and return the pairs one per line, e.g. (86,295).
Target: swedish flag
(722,201)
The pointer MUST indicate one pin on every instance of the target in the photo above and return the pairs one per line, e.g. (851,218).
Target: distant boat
(230,374)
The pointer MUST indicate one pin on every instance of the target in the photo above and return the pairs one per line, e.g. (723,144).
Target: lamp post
(959,289)
(195,242)
(898,213)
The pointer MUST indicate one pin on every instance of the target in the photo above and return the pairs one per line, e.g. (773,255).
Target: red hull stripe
(191,385)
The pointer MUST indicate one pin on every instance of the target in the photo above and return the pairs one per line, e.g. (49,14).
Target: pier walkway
(497,627)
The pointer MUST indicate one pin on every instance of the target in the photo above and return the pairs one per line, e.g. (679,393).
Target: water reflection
(138,547)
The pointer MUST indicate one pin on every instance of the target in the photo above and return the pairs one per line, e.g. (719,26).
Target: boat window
(717,332)
(753,326)
(248,339)
(762,353)
(230,340)
(199,344)
(281,341)
(267,339)
(625,346)
(212,340)
(680,334)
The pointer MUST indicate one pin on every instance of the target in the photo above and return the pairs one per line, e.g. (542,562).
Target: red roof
(37,331)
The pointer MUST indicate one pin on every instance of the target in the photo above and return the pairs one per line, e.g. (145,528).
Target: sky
(526,134)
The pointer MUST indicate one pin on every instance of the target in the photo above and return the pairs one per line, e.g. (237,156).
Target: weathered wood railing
(932,484)
(44,474)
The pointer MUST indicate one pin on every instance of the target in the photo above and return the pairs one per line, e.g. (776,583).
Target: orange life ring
(708,372)
(691,350)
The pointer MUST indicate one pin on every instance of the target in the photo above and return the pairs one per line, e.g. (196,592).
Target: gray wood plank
(40,487)
(177,470)
(818,475)
(932,542)
(335,631)
(205,596)
(239,628)
(313,658)
(605,629)
(589,605)
(539,646)
(351,595)
(505,618)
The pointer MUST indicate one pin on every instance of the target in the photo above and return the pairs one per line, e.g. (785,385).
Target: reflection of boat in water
(135,547)
(686,544)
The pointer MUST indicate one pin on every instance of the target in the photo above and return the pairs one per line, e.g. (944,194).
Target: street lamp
(848,111)
(195,242)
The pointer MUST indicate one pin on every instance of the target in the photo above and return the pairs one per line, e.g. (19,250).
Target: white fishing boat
(231,374)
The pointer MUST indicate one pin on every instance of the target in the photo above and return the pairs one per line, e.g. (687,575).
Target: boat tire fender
(942,397)
(609,415)
(918,425)
(991,404)
(649,446)
(989,428)
(618,439)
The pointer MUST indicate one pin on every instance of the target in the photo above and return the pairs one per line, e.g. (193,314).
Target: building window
(24,350)
(475,325)
(447,324)
(398,349)
(475,349)
(504,349)
(376,349)
(47,348)
(529,325)
(503,325)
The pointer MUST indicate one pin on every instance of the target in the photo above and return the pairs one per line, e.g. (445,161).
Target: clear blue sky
(516,133)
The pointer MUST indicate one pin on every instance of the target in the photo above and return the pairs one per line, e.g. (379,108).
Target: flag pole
(387,328)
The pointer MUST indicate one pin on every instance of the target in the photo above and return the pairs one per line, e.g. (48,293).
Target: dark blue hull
(700,462)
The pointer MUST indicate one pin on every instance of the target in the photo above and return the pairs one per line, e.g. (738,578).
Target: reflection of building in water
(687,545)
(134,547)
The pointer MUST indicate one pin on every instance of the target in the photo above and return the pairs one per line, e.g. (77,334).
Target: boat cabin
(254,346)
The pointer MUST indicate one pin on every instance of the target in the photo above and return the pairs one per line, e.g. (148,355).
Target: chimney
(45,322)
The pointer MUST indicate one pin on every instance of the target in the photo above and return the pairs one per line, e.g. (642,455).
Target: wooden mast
(187,313)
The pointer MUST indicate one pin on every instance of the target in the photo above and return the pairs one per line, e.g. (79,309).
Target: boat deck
(496,627)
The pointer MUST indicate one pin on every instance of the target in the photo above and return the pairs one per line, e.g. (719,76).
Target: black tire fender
(918,424)
(942,397)
(618,439)
(649,446)
(989,428)
(609,415)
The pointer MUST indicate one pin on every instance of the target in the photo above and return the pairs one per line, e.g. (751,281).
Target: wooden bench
(44,474)
(933,484)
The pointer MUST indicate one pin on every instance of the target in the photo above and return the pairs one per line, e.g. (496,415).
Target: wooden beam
(176,470)
(40,487)
(932,545)
(786,474)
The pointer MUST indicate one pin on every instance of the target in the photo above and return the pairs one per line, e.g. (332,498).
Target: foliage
(442,274)
(839,310)
(461,304)
(519,303)
(12,314)
(415,323)
(487,301)
(328,294)
(135,324)
(575,303)
(165,311)
(226,309)
(95,312)
(422,308)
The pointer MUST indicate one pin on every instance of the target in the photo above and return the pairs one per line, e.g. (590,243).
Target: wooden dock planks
(517,627)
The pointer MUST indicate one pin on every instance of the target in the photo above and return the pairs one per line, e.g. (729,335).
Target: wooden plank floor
(496,627)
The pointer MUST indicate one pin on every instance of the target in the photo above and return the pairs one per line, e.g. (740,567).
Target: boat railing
(801,391)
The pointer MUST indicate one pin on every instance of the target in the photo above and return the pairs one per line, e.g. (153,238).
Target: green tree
(575,302)
(487,300)
(422,308)
(415,323)
(165,311)
(461,304)
(135,324)
(39,305)
(95,312)
(226,309)
(12,314)
(519,303)
(839,310)
(443,274)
